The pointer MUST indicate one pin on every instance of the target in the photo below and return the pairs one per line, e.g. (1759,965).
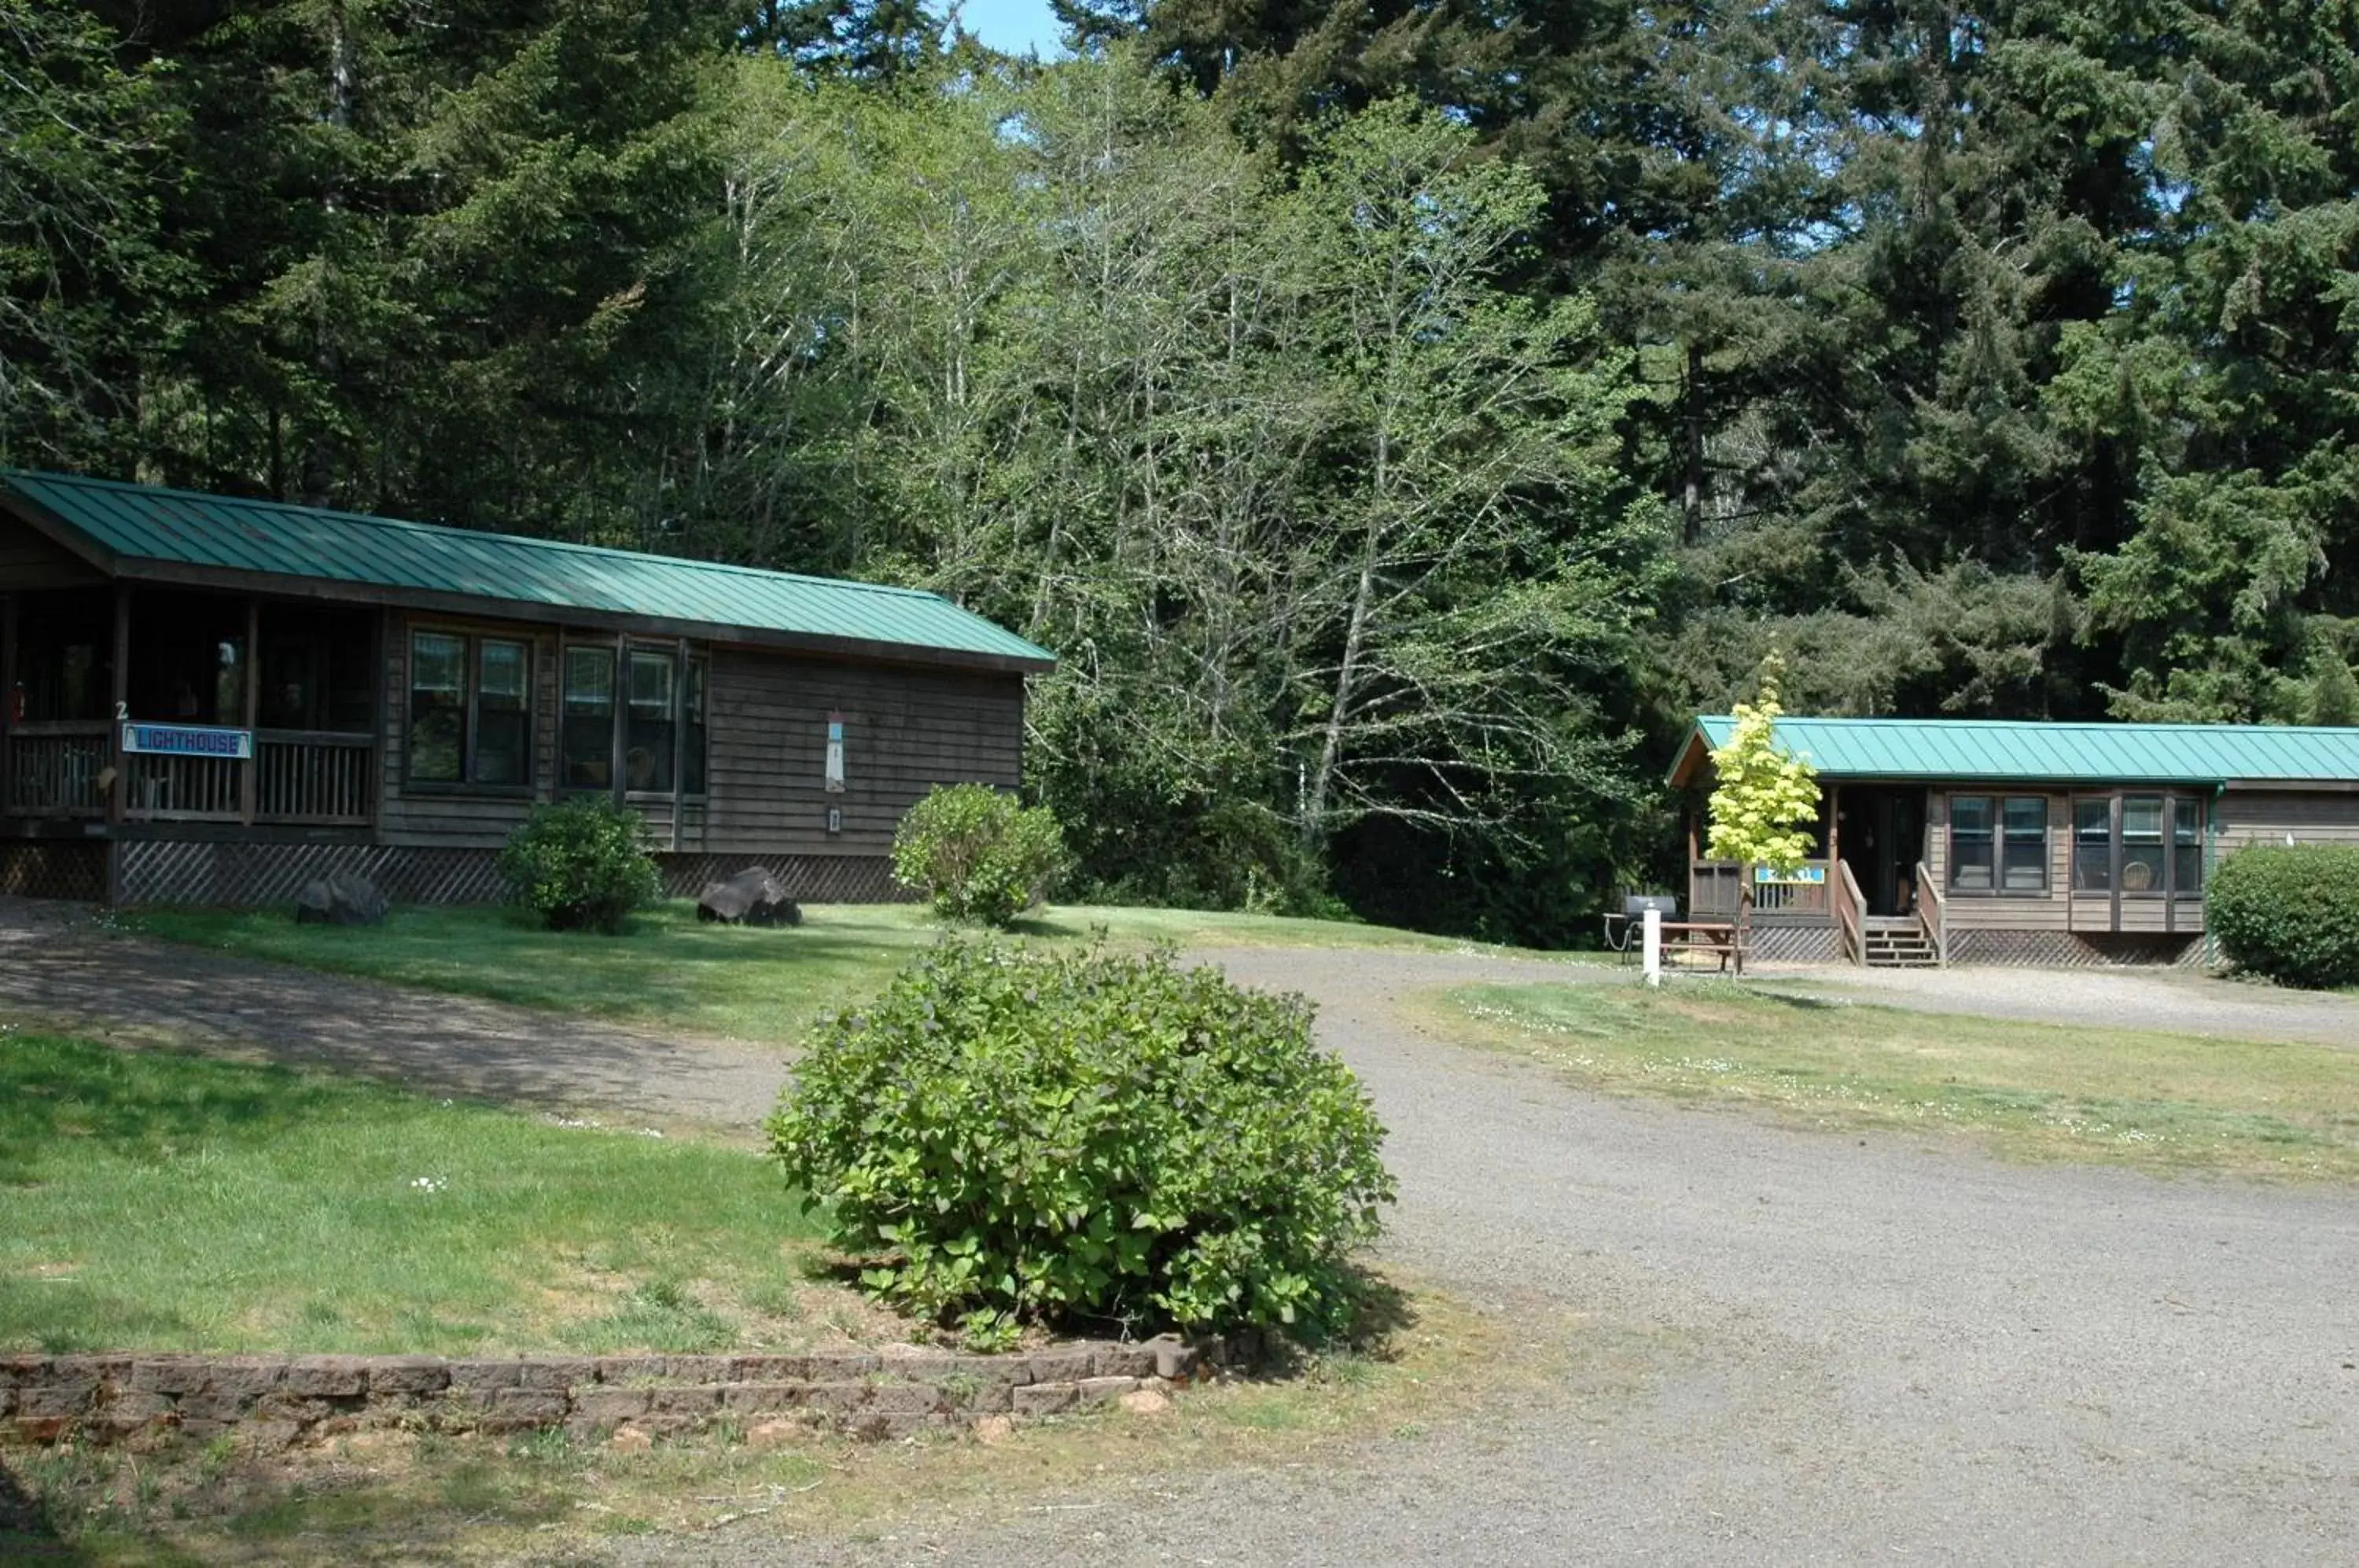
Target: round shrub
(977,854)
(2291,914)
(1009,1135)
(578,866)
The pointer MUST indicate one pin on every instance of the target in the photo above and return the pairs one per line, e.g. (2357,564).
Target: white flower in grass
(430,1184)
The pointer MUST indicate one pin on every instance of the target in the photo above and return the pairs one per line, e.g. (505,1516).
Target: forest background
(1399,417)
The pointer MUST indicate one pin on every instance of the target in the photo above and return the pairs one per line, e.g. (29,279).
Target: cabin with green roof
(2017,841)
(212,700)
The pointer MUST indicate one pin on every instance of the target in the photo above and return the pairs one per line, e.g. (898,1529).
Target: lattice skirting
(2075,950)
(1791,944)
(167,871)
(808,879)
(54,869)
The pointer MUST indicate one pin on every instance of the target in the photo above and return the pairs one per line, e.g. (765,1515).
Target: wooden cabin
(212,700)
(2018,841)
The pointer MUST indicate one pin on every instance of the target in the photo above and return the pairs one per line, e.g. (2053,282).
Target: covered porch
(129,704)
(1865,896)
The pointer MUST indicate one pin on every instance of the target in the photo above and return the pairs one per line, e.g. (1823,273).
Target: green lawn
(164,1201)
(2163,1102)
(748,984)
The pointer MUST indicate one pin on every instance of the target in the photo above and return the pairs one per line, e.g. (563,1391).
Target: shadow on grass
(28,1533)
(145,1105)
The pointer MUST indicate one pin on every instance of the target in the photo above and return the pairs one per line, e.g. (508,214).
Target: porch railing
(1714,886)
(1932,914)
(54,769)
(314,776)
(1851,916)
(168,788)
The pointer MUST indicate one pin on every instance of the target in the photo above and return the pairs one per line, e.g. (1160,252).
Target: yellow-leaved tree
(1764,800)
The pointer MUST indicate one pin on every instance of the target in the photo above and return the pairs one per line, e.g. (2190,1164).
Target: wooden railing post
(120,703)
(248,785)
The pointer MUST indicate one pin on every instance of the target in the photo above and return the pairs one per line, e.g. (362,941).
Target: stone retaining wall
(276,1401)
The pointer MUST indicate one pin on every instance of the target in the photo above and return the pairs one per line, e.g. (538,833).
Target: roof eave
(57,532)
(239,579)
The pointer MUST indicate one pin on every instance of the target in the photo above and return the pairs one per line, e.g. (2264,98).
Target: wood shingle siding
(905,731)
(29,562)
(2265,816)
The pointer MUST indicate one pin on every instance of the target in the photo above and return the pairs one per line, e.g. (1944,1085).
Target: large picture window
(470,710)
(660,706)
(1999,843)
(2160,850)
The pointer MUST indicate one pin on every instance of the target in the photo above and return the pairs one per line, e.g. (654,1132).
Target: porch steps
(1896,943)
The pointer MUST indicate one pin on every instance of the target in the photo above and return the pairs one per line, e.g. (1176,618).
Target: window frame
(471,641)
(2182,812)
(1997,803)
(618,653)
(624,701)
(606,650)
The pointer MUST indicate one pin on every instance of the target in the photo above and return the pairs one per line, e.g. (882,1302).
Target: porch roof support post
(1692,858)
(8,701)
(1834,833)
(120,701)
(249,781)
(622,708)
(679,739)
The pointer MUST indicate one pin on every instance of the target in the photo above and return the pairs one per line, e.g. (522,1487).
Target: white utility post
(1653,921)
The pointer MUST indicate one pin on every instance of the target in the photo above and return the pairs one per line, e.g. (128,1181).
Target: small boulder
(993,1430)
(340,899)
(751,898)
(1145,1402)
(630,1439)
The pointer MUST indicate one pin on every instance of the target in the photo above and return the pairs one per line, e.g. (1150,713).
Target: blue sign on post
(188,740)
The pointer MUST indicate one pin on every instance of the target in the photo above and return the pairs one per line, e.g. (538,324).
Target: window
(2092,845)
(503,713)
(2187,846)
(647,738)
(438,708)
(1998,844)
(2141,867)
(1970,843)
(589,740)
(2022,845)
(693,715)
(470,710)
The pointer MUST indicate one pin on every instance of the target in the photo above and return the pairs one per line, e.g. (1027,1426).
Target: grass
(2159,1102)
(746,984)
(167,1202)
(399,1497)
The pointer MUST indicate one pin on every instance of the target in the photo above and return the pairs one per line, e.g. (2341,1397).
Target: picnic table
(1700,938)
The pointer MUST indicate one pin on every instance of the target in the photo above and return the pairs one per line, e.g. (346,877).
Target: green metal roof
(134,525)
(2031,751)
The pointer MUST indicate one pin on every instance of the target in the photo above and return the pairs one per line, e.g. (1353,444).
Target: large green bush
(578,866)
(2291,914)
(976,854)
(1010,1136)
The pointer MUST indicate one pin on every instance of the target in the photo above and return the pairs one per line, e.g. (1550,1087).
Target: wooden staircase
(1897,941)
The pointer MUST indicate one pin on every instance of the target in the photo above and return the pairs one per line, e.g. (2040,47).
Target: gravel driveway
(1862,1349)
(1829,1347)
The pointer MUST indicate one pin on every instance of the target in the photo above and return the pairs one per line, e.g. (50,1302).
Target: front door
(1882,833)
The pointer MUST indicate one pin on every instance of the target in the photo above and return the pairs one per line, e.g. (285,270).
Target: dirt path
(59,969)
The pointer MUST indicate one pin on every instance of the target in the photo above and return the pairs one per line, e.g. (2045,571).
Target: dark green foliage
(2290,913)
(578,866)
(1087,1138)
(977,853)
